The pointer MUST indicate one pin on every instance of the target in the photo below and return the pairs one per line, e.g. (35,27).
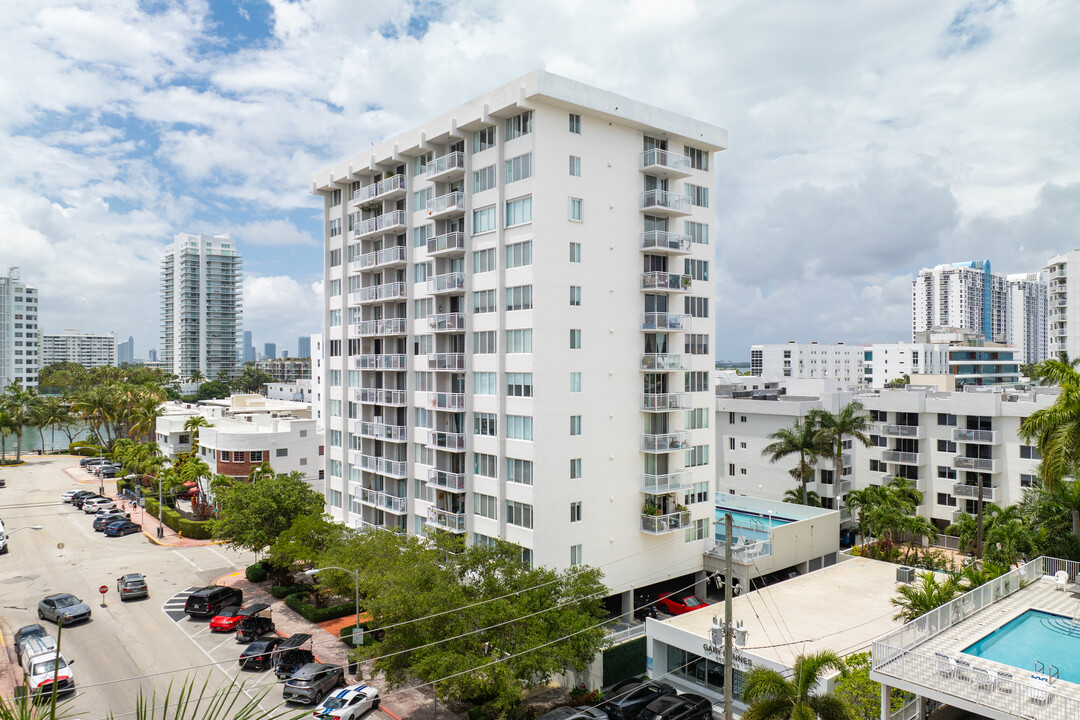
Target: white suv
(92,506)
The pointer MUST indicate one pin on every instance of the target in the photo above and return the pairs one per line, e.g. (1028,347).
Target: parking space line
(188,560)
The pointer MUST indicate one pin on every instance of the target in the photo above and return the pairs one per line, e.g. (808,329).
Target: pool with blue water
(1034,636)
(749,525)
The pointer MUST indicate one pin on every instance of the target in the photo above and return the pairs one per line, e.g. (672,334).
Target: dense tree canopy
(253,514)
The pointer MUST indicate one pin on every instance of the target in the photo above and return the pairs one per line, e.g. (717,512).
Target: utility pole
(728,585)
(979,520)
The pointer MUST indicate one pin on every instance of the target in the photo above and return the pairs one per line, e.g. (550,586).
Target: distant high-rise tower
(201,305)
(303,346)
(151,354)
(125,351)
(1064,304)
(249,348)
(270,351)
(20,338)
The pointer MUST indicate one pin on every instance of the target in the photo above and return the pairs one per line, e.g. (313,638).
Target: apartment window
(1029,452)
(575,511)
(519,211)
(575,424)
(485,465)
(421,234)
(698,419)
(946,419)
(697,381)
(483,342)
(335,408)
(485,424)
(420,162)
(519,298)
(423,455)
(575,468)
(575,295)
(519,471)
(575,209)
(484,301)
(575,339)
(697,269)
(420,198)
(226,456)
(946,500)
(519,341)
(483,220)
(946,446)
(335,227)
(697,344)
(335,495)
(483,179)
(335,199)
(483,139)
(486,506)
(946,472)
(483,383)
(519,427)
(575,555)
(423,344)
(698,195)
(335,378)
(335,288)
(575,382)
(696,306)
(575,252)
(1028,481)
(575,166)
(284,452)
(575,123)
(335,258)
(335,318)
(695,532)
(518,168)
(731,471)
(699,159)
(256,456)
(697,455)
(519,384)
(483,260)
(519,514)
(519,254)
(879,416)
(520,124)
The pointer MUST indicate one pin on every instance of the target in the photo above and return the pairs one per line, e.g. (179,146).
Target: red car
(226,620)
(676,605)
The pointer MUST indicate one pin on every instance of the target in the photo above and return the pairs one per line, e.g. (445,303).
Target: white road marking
(230,562)
(188,560)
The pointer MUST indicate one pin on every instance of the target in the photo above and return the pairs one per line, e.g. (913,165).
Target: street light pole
(356,583)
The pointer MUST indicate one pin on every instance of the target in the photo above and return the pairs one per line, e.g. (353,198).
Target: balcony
(446,322)
(393,186)
(665,281)
(663,242)
(662,362)
(379,362)
(904,431)
(448,167)
(896,456)
(663,402)
(379,293)
(449,362)
(836,489)
(382,431)
(380,396)
(446,401)
(662,202)
(446,206)
(390,222)
(661,163)
(671,482)
(975,436)
(667,442)
(383,466)
(452,481)
(980,464)
(446,440)
(389,503)
(451,244)
(445,520)
(961,490)
(663,524)
(389,326)
(664,321)
(446,284)
(387,257)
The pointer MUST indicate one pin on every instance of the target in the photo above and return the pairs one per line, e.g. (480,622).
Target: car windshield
(300,683)
(692,601)
(47,666)
(333,703)
(67,601)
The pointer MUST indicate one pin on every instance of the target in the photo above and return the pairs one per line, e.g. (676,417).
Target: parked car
(23,634)
(92,461)
(79,502)
(348,704)
(581,712)
(679,604)
(259,655)
(92,505)
(106,519)
(226,620)
(628,698)
(63,606)
(109,473)
(131,586)
(678,707)
(66,497)
(253,622)
(208,601)
(77,498)
(292,655)
(311,682)
(122,527)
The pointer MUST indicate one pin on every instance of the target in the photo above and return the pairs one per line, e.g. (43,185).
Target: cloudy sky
(868,139)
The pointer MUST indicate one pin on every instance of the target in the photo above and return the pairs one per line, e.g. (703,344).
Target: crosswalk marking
(174,606)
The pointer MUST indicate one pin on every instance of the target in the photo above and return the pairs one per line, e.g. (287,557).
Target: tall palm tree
(20,403)
(49,412)
(851,422)
(963,529)
(1053,371)
(795,497)
(860,501)
(144,415)
(918,599)
(196,376)
(773,697)
(800,439)
(7,427)
(1056,429)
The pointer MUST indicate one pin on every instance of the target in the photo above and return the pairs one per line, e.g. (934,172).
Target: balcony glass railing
(447,480)
(447,283)
(382,431)
(974,436)
(386,256)
(446,361)
(446,520)
(446,243)
(664,321)
(910,431)
(665,281)
(657,158)
(966,463)
(671,482)
(447,202)
(387,326)
(961,490)
(446,322)
(454,161)
(377,293)
(379,362)
(662,362)
(667,442)
(383,466)
(380,396)
(390,503)
(663,240)
(446,401)
(660,200)
(445,440)
(660,524)
(662,402)
(387,221)
(908,458)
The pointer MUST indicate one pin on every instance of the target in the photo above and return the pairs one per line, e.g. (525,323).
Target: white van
(42,664)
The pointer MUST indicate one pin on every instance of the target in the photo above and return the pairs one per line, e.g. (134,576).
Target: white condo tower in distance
(517,334)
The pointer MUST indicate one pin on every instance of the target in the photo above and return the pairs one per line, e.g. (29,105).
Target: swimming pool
(1034,635)
(750,525)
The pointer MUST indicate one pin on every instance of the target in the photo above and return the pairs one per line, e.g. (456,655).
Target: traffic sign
(103,589)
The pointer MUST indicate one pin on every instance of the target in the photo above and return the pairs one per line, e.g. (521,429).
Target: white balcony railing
(383,501)
(447,283)
(905,431)
(663,402)
(379,293)
(379,362)
(974,436)
(447,243)
(445,440)
(962,490)
(671,482)
(663,241)
(446,520)
(664,321)
(907,458)
(446,204)
(383,466)
(446,401)
(382,431)
(662,362)
(666,442)
(446,361)
(397,254)
(447,480)
(664,162)
(380,396)
(387,326)
(664,202)
(660,524)
(657,280)
(446,322)
(983,464)
(378,189)
(449,164)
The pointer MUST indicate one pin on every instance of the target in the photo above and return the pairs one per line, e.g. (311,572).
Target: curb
(194,543)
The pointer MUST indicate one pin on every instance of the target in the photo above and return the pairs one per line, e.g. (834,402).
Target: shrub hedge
(194,529)
(346,633)
(624,661)
(284,591)
(257,573)
(313,614)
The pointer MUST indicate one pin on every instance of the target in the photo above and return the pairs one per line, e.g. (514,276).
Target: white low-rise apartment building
(87,349)
(297,391)
(517,334)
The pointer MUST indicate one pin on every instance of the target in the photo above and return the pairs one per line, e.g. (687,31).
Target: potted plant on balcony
(371,206)
(686,282)
(650,509)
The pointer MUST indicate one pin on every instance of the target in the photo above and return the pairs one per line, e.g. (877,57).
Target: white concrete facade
(1063,272)
(298,391)
(1027,316)
(87,349)
(809,360)
(488,322)
(20,335)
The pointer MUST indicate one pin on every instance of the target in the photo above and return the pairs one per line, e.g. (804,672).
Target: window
(575,382)
(946,446)
(946,499)
(575,295)
(184,439)
(483,260)
(483,139)
(575,339)
(697,269)
(879,416)
(423,344)
(420,198)
(696,306)
(483,540)
(697,344)
(483,179)
(335,440)
(519,471)
(335,227)
(335,288)
(698,419)
(575,209)
(575,468)
(485,465)
(519,427)
(483,383)
(575,555)
(335,199)
(696,531)
(946,472)
(421,234)
(420,162)
(946,419)
(698,195)
(575,424)
(519,514)
(1028,481)
(1029,452)
(697,455)
(699,159)
(423,455)
(483,220)
(519,298)
(518,168)
(519,211)
(226,456)
(486,506)
(256,456)
(575,166)
(485,424)
(335,258)
(519,384)
(422,271)
(697,381)
(575,123)
(518,341)
(519,254)
(281,452)
(483,301)
(335,495)
(575,252)
(483,343)
(519,125)
(731,470)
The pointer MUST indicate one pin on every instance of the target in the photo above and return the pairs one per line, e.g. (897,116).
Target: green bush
(624,661)
(256,573)
(194,529)
(284,591)
(313,614)
(369,636)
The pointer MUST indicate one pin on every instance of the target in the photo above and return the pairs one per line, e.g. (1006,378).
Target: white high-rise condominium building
(201,305)
(87,349)
(1026,316)
(19,333)
(1063,272)
(517,327)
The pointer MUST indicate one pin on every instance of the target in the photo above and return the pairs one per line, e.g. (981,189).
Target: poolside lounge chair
(1061,579)
(983,679)
(963,669)
(1038,691)
(1004,681)
(945,666)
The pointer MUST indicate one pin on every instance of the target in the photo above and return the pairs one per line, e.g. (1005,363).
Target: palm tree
(795,497)
(1056,429)
(802,439)
(917,527)
(860,501)
(144,415)
(917,600)
(773,697)
(963,529)
(978,574)
(20,403)
(196,376)
(7,427)
(851,421)
(49,412)
(1053,371)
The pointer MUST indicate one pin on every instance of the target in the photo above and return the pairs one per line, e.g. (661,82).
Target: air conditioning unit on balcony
(905,574)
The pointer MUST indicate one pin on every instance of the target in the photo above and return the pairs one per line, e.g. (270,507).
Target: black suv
(629,697)
(677,707)
(208,601)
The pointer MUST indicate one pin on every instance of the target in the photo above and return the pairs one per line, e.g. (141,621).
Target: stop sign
(103,589)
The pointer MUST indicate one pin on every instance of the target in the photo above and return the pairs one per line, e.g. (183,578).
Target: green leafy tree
(801,439)
(920,598)
(19,402)
(212,390)
(307,541)
(859,501)
(252,379)
(850,422)
(795,497)
(251,515)
(862,694)
(772,696)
